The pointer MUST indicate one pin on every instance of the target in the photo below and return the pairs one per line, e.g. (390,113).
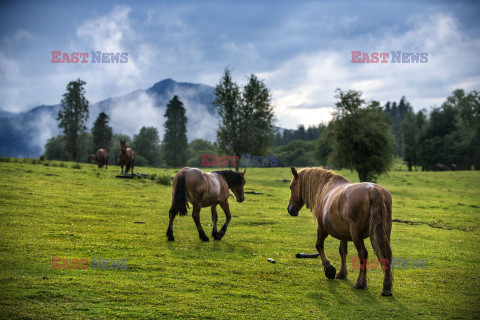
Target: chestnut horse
(205,190)
(126,157)
(349,212)
(101,156)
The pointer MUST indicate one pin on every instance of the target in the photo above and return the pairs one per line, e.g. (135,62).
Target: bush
(164,180)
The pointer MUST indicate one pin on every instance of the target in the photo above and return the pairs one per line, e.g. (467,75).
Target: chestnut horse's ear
(294,172)
(243,173)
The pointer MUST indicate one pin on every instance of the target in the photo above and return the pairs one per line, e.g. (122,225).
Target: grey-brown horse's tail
(179,201)
(379,237)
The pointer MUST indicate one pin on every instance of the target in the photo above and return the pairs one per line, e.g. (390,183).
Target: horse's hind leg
(228,217)
(361,282)
(172,215)
(214,221)
(327,266)
(196,218)
(343,250)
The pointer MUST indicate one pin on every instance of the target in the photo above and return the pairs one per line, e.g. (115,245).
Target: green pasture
(53,209)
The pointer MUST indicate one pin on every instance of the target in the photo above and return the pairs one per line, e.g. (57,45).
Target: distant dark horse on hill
(349,212)
(126,157)
(91,158)
(205,190)
(101,156)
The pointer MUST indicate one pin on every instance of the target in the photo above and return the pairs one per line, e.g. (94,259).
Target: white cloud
(129,115)
(308,81)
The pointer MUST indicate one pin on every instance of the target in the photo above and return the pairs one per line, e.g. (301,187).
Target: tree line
(362,135)
(76,143)
(246,125)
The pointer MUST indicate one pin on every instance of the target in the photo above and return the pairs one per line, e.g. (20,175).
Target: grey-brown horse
(349,212)
(205,190)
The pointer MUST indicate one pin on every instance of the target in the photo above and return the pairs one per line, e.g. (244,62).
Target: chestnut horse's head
(296,201)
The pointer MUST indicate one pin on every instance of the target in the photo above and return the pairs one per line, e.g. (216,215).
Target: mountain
(25,134)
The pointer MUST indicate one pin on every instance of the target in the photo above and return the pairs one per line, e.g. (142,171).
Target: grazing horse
(126,157)
(101,156)
(349,212)
(205,190)
(91,158)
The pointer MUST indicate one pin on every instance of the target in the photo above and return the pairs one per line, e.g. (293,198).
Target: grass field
(80,212)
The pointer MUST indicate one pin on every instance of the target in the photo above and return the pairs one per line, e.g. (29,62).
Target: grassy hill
(52,209)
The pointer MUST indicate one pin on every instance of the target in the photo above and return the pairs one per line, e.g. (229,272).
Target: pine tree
(175,143)
(246,117)
(73,116)
(256,113)
(228,99)
(102,133)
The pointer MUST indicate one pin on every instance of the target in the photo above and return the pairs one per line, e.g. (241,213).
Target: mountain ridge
(25,134)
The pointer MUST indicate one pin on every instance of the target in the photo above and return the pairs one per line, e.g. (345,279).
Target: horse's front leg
(327,266)
(196,218)
(228,216)
(214,221)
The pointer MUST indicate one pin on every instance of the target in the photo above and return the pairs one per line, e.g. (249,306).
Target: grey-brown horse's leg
(361,282)
(343,250)
(214,222)
(172,215)
(196,218)
(228,216)
(327,266)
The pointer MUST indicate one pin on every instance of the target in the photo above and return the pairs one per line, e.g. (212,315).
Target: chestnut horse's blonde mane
(313,181)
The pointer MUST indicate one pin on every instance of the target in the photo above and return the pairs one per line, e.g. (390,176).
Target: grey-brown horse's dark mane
(232,178)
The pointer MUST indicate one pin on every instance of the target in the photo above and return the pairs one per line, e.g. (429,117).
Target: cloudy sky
(301,49)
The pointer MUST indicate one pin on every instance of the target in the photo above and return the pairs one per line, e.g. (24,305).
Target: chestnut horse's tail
(179,201)
(379,236)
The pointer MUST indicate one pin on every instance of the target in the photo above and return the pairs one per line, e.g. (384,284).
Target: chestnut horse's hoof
(171,238)
(386,293)
(330,271)
(205,239)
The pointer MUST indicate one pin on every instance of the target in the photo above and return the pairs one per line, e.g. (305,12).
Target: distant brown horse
(205,190)
(349,212)
(101,156)
(126,157)
(91,158)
